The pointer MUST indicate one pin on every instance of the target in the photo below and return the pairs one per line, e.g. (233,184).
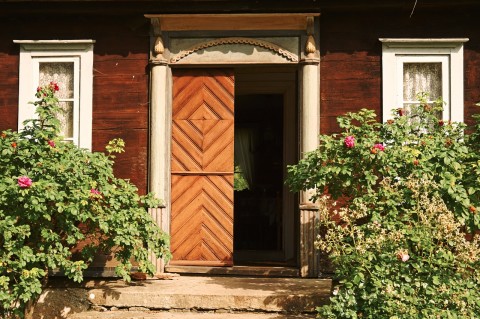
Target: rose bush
(415,262)
(54,195)
(403,242)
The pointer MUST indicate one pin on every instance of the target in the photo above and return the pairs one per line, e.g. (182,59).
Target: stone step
(199,295)
(184,315)
(212,293)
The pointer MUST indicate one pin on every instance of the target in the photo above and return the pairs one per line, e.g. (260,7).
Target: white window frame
(80,52)
(449,52)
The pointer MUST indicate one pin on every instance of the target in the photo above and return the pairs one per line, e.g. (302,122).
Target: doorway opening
(264,144)
(258,180)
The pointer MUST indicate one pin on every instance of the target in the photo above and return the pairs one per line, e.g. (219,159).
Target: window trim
(32,51)
(393,49)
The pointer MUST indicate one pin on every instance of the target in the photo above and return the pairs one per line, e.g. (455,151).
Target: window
(413,66)
(70,64)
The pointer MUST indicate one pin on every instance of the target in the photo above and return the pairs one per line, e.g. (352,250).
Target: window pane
(422,77)
(61,73)
(66,119)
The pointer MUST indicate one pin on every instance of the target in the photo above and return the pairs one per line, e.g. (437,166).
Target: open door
(202,167)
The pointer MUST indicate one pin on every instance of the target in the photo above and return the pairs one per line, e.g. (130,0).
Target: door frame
(231,40)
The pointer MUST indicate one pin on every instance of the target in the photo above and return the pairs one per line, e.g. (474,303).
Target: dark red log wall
(120,83)
(351,54)
(350,66)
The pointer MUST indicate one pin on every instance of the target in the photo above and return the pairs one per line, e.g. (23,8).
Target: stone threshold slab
(183,315)
(210,293)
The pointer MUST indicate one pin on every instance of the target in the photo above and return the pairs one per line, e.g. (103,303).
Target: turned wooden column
(159,135)
(310,129)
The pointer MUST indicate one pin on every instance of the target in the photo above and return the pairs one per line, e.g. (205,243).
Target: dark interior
(259,172)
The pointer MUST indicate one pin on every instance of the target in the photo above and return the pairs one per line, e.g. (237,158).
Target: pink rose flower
(403,255)
(349,141)
(95,192)
(24,182)
(51,143)
(379,147)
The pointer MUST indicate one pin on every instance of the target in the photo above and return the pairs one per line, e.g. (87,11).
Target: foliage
(415,144)
(239,181)
(54,195)
(409,193)
(412,261)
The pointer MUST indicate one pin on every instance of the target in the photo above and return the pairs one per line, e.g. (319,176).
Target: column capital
(158,61)
(310,60)
(309,206)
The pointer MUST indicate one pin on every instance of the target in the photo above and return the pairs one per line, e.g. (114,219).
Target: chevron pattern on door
(202,167)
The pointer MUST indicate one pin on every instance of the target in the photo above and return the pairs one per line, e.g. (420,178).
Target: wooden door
(202,167)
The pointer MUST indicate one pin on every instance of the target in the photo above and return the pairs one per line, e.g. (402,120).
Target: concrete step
(199,296)
(184,315)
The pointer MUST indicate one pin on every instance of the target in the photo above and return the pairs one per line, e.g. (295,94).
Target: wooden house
(214,99)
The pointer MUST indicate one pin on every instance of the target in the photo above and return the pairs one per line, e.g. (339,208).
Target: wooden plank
(195,264)
(132,164)
(8,85)
(277,21)
(180,267)
(120,120)
(218,145)
(201,173)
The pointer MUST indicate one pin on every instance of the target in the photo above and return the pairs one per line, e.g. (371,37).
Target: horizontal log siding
(351,65)
(8,82)
(120,84)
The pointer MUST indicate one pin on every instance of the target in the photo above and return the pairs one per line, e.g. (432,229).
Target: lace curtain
(422,77)
(244,144)
(63,74)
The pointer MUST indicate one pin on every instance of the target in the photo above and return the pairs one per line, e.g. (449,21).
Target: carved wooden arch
(236,40)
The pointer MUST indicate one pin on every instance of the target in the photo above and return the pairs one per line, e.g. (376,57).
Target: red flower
(14,145)
(24,182)
(472,209)
(415,162)
(441,123)
(400,112)
(39,89)
(349,141)
(51,143)
(54,86)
